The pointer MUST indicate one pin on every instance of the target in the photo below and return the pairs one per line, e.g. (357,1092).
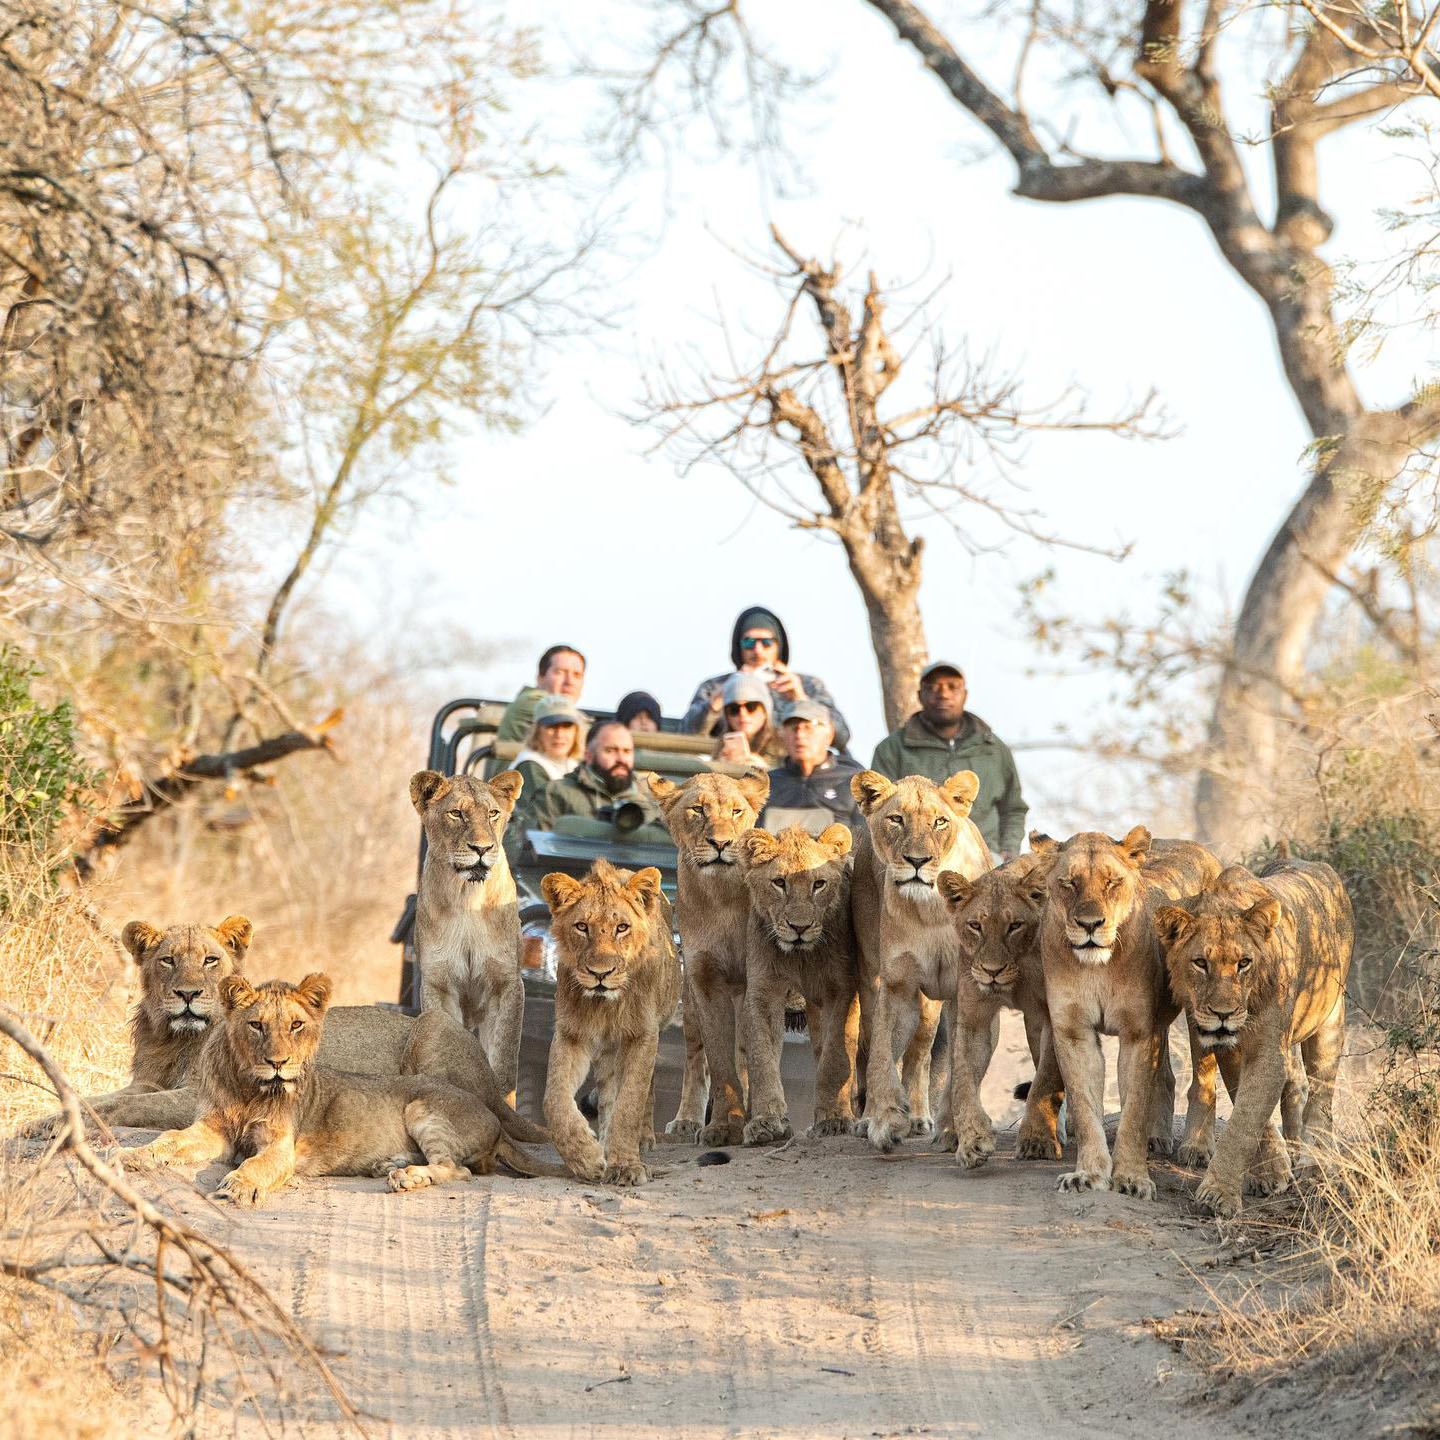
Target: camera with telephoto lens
(625,817)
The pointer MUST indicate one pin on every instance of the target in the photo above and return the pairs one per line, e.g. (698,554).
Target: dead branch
(211,1286)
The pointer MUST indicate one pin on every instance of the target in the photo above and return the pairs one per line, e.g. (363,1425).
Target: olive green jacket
(583,792)
(519,714)
(999,809)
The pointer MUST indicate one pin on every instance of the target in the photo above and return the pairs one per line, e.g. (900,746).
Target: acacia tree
(1165,62)
(867,449)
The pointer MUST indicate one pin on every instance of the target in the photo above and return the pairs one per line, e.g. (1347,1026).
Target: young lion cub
(617,988)
(800,937)
(265,1102)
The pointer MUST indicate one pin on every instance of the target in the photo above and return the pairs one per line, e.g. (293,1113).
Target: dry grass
(320,861)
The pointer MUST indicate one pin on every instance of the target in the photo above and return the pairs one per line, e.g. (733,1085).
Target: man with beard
(942,739)
(605,782)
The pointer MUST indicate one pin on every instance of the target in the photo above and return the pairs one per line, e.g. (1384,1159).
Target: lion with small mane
(706,817)
(800,937)
(914,832)
(266,1102)
(1104,974)
(616,988)
(182,968)
(1260,961)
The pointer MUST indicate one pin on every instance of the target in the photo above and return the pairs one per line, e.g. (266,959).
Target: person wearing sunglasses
(760,647)
(746,728)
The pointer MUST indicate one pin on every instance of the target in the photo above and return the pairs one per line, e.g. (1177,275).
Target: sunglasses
(748,706)
(751,641)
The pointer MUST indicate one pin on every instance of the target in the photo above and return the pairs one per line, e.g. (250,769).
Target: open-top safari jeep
(462,741)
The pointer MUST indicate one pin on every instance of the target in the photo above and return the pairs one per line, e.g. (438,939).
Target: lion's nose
(277,1064)
(916,860)
(1222,1014)
(481,850)
(1086,923)
(188,995)
(600,974)
(721,846)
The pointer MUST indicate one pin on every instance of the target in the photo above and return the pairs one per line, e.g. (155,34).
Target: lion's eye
(623,928)
(818,886)
(494,814)
(456,814)
(582,927)
(1198,961)
(941,822)
(1038,896)
(976,926)
(1013,926)
(296,1025)
(779,885)
(1245,963)
(257,1026)
(1113,883)
(736,813)
(166,963)
(698,810)
(1067,884)
(211,961)
(894,820)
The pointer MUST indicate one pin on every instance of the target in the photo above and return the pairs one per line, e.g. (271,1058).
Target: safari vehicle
(462,742)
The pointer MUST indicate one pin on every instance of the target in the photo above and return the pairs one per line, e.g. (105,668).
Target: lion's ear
(755,787)
(235,990)
(1263,917)
(138,937)
(235,932)
(1042,844)
(757,846)
(425,785)
(1171,923)
(559,889)
(644,886)
(1136,845)
(507,786)
(961,789)
(313,992)
(954,887)
(662,789)
(870,790)
(837,839)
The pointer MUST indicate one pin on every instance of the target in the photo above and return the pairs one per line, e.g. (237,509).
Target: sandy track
(819,1291)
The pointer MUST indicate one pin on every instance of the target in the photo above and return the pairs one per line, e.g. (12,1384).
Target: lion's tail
(517,1127)
(523,1163)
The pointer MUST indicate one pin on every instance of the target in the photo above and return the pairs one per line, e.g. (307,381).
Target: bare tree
(1332,65)
(948,445)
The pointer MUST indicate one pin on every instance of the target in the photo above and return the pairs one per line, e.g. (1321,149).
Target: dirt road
(820,1290)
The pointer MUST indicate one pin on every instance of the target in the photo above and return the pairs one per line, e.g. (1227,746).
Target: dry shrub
(320,861)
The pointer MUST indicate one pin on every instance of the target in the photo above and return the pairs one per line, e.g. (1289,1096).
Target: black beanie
(636,702)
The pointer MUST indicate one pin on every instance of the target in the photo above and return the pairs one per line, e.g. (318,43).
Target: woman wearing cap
(759,646)
(746,727)
(639,712)
(554,746)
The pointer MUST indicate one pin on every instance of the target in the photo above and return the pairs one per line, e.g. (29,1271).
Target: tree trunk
(1281,605)
(897,633)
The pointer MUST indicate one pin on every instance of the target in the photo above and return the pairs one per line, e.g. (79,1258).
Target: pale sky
(583,537)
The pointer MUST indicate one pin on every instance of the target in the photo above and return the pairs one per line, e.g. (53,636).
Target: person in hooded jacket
(759,646)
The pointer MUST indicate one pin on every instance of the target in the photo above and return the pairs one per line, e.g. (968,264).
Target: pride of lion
(889,932)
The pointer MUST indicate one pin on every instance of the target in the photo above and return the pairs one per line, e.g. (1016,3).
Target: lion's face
(273,1030)
(1094,885)
(1220,963)
(796,881)
(602,925)
(181,969)
(916,826)
(997,917)
(465,818)
(709,813)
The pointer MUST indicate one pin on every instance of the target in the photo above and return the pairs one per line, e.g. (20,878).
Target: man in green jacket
(605,781)
(561,672)
(944,738)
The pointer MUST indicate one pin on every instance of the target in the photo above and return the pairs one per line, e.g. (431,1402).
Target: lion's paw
(157,1155)
(685,1129)
(1083,1180)
(409,1177)
(625,1172)
(587,1166)
(1270,1175)
(885,1129)
(767,1130)
(647,1141)
(722,1133)
(1195,1154)
(921,1125)
(1162,1145)
(1221,1199)
(1140,1185)
(975,1148)
(831,1125)
(946,1141)
(239,1190)
(1040,1146)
